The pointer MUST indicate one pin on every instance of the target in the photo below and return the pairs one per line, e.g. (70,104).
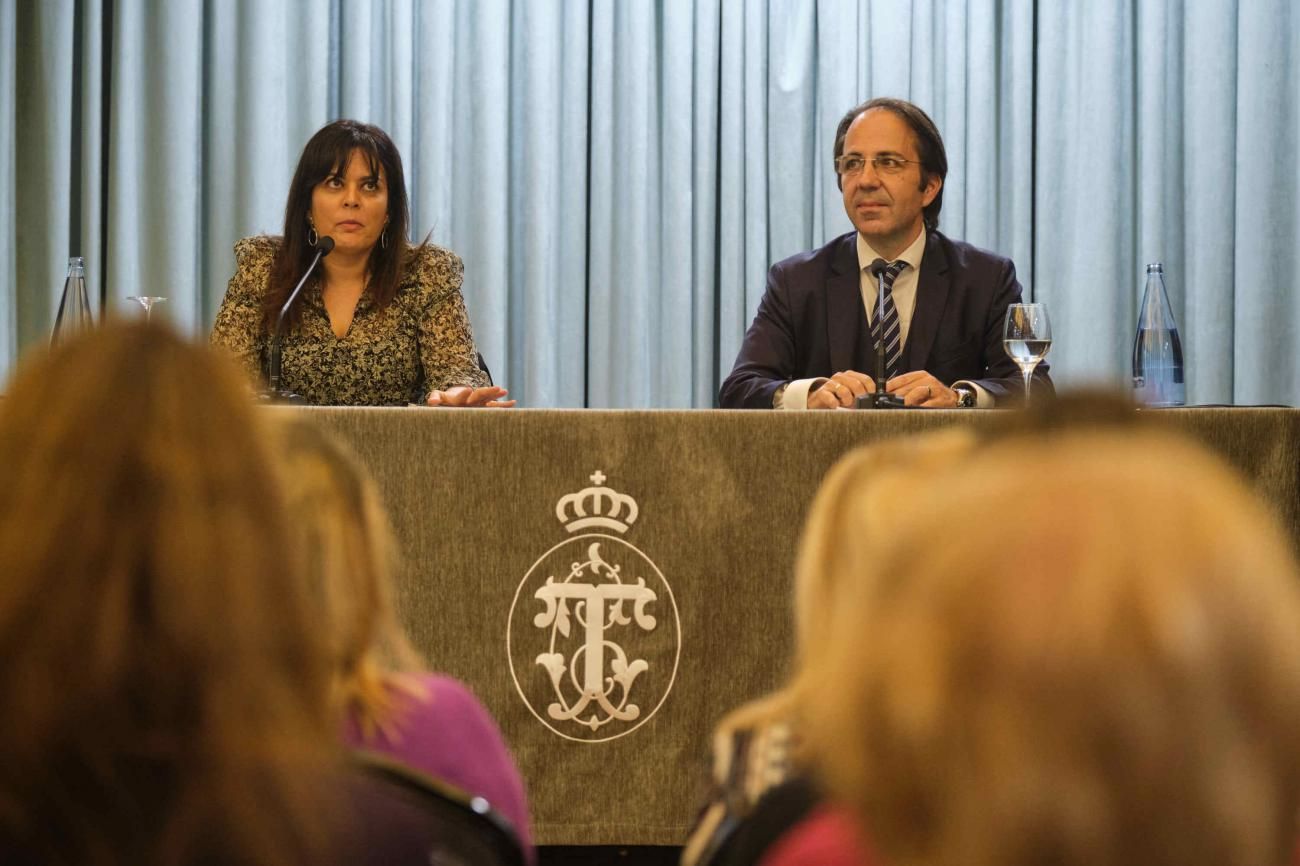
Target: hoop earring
(312,237)
(383,239)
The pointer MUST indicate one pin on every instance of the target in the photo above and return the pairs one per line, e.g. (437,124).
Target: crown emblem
(596,506)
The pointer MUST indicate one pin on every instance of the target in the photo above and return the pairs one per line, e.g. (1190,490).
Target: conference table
(610,583)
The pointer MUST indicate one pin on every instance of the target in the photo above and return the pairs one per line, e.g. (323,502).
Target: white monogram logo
(612,635)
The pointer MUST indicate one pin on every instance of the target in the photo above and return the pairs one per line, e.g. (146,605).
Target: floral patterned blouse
(388,357)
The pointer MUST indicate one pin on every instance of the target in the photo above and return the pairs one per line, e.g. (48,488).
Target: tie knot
(891,272)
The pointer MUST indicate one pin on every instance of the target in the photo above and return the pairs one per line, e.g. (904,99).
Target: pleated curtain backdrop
(8,186)
(1169,132)
(619,174)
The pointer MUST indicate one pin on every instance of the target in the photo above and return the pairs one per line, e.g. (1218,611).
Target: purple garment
(450,735)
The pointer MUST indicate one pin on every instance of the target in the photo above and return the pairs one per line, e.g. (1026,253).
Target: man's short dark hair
(929,145)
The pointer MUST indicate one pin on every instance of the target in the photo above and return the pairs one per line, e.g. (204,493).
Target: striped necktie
(893,337)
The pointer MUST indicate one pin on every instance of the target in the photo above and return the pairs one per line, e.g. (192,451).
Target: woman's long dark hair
(327,155)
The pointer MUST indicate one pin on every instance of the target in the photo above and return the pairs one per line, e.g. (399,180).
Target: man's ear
(930,189)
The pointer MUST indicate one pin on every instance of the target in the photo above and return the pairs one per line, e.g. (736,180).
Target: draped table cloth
(610,583)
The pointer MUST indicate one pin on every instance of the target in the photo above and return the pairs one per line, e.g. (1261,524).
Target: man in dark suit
(813,342)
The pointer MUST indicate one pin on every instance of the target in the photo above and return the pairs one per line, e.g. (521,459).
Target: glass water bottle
(1157,351)
(74,307)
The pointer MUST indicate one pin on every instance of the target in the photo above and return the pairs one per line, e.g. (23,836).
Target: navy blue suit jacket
(811,322)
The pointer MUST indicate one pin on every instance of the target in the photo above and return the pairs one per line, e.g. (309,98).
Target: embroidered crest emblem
(594,636)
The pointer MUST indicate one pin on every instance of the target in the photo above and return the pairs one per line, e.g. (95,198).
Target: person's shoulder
(966,255)
(427,261)
(810,270)
(256,249)
(821,257)
(258,245)
(449,695)
(430,272)
(826,835)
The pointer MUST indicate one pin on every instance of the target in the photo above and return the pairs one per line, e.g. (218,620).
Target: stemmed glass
(1027,336)
(146,301)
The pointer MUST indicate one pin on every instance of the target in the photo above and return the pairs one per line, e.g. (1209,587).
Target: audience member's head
(339,523)
(161,686)
(1081,648)
(1077,411)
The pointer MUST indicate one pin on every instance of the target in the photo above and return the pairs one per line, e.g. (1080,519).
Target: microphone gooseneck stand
(880,399)
(274,392)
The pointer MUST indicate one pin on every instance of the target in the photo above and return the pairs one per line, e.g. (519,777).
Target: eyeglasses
(853,164)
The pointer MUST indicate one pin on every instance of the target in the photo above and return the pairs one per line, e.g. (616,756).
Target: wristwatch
(965,396)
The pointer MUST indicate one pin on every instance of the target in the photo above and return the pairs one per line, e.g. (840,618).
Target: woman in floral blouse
(381,321)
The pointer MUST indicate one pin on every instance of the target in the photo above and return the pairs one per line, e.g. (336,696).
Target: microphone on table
(274,392)
(880,399)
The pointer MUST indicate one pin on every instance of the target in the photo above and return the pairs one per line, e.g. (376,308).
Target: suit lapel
(844,312)
(931,298)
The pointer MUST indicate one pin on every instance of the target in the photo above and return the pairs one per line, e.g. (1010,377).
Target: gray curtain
(619,174)
(8,184)
(1168,132)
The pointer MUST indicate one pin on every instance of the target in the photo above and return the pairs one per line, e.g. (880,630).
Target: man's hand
(919,388)
(841,390)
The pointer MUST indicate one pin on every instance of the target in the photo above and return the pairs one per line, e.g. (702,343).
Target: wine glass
(146,301)
(1027,337)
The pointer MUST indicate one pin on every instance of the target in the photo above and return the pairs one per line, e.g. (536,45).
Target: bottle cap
(1155,268)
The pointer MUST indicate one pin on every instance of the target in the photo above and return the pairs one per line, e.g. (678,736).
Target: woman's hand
(463,395)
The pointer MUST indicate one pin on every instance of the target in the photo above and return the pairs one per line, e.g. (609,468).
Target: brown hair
(326,155)
(163,695)
(929,146)
(340,525)
(1102,672)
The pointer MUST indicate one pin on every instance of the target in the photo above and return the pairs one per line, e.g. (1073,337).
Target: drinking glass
(1026,337)
(146,301)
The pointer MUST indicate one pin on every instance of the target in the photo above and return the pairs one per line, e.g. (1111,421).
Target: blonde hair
(869,483)
(163,695)
(1103,672)
(341,528)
